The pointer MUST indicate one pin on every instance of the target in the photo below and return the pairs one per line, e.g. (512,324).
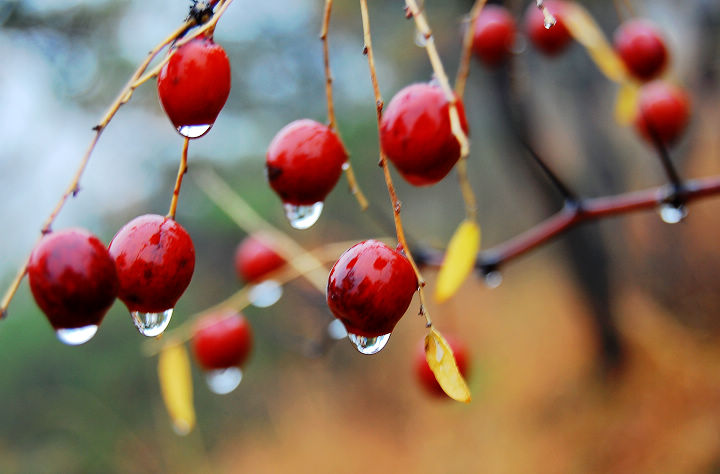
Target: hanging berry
(663,112)
(642,48)
(549,39)
(494,35)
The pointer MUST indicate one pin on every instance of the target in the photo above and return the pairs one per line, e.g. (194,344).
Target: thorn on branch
(75,191)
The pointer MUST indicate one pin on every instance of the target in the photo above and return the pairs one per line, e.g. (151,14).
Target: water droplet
(549,22)
(673,213)
(181,427)
(336,330)
(223,381)
(303,217)
(369,345)
(493,279)
(76,336)
(346,166)
(265,294)
(193,131)
(420,39)
(151,324)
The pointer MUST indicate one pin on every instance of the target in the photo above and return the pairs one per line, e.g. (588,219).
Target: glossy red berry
(155,259)
(416,135)
(642,49)
(663,112)
(254,259)
(553,40)
(222,340)
(370,288)
(494,35)
(424,374)
(73,280)
(304,162)
(194,85)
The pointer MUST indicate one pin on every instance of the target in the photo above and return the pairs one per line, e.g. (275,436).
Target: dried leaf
(459,260)
(584,29)
(626,103)
(441,360)
(176,386)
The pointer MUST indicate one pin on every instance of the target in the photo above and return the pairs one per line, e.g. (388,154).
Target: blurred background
(597,353)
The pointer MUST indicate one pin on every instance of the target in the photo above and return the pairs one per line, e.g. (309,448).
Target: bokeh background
(598,353)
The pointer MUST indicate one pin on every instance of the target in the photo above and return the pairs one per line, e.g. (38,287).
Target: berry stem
(250,221)
(424,28)
(122,98)
(178,181)
(332,123)
(464,67)
(395,202)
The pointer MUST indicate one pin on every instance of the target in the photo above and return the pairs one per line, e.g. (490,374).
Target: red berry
(370,288)
(550,41)
(194,85)
(494,35)
(642,49)
(73,279)
(425,375)
(254,259)
(304,161)
(222,340)
(155,259)
(416,135)
(663,112)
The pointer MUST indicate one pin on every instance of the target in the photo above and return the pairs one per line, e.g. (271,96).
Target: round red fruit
(370,288)
(425,375)
(304,162)
(494,35)
(72,278)
(642,49)
(222,340)
(155,259)
(663,112)
(194,85)
(254,259)
(553,40)
(416,135)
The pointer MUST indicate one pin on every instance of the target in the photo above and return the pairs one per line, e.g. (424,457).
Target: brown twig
(178,181)
(464,67)
(332,123)
(368,50)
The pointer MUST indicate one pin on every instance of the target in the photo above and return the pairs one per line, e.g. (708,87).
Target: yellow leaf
(176,386)
(584,29)
(626,103)
(459,260)
(441,360)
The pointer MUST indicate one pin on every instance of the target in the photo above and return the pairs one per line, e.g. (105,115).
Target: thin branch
(178,181)
(464,67)
(564,190)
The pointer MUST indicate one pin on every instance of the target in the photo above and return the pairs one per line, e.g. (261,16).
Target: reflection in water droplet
(672,213)
(303,217)
(151,324)
(76,336)
(549,22)
(369,345)
(493,279)
(336,330)
(193,131)
(223,381)
(265,294)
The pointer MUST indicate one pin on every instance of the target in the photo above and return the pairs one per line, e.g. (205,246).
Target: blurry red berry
(155,259)
(663,112)
(72,278)
(494,35)
(222,340)
(425,375)
(254,259)
(416,135)
(550,41)
(370,288)
(304,162)
(642,49)
(194,85)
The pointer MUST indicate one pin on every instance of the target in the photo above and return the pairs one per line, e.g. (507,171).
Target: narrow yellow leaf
(584,29)
(459,260)
(176,386)
(441,360)
(626,103)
